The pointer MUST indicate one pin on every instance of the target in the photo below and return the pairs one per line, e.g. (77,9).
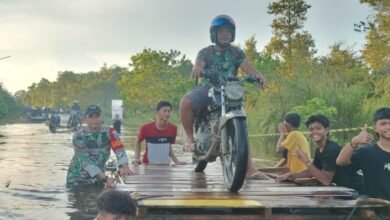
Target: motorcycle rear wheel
(235,160)
(199,165)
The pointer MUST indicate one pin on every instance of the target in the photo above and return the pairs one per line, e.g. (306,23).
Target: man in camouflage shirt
(92,148)
(225,59)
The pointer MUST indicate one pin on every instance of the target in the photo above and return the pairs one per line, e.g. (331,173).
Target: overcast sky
(44,37)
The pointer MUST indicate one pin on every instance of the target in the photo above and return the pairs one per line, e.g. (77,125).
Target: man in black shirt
(373,158)
(324,167)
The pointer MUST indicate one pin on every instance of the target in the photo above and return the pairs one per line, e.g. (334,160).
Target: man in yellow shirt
(292,140)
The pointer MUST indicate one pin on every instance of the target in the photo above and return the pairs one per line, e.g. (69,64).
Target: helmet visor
(221,21)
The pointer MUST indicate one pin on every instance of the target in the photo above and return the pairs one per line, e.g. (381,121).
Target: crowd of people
(332,164)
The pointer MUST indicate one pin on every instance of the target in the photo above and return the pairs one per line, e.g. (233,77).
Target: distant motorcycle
(54,123)
(221,130)
(74,121)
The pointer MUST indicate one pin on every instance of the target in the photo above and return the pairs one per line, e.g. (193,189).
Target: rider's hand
(261,79)
(197,73)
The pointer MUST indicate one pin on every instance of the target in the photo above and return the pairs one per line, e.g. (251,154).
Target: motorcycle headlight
(234,90)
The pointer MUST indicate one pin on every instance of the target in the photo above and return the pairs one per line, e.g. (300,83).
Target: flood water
(33,166)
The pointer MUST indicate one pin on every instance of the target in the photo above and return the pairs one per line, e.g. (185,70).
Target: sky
(44,37)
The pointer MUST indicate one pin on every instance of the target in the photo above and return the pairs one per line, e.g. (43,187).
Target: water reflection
(83,202)
(33,165)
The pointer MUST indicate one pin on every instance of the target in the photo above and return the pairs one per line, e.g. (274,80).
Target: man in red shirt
(159,136)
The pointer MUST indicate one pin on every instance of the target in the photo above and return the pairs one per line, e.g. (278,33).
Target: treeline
(8,104)
(151,76)
(345,85)
(87,88)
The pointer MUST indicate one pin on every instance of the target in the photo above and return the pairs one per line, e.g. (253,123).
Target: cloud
(47,36)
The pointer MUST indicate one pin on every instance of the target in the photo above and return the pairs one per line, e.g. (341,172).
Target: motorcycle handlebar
(214,76)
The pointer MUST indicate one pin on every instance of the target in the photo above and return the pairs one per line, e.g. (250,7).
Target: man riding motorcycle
(221,57)
(76,106)
(74,114)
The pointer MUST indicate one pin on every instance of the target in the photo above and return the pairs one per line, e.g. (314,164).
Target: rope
(306,132)
(276,134)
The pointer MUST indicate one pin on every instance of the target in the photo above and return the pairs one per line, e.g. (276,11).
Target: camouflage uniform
(225,62)
(91,152)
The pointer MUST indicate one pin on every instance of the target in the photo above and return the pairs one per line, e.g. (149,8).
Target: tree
(3,104)
(344,66)
(376,51)
(8,106)
(88,88)
(250,50)
(288,42)
(154,76)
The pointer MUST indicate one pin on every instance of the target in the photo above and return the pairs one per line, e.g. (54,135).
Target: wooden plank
(200,181)
(250,202)
(275,170)
(139,196)
(177,191)
(310,190)
(200,203)
(251,217)
(195,193)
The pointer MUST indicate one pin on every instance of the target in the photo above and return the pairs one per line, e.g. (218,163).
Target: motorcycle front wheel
(235,158)
(52,129)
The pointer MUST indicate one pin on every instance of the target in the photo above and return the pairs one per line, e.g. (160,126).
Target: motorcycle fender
(230,115)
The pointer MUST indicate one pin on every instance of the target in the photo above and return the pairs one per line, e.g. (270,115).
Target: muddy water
(33,165)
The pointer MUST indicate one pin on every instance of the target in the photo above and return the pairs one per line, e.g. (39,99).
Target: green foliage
(314,106)
(88,88)
(339,85)
(380,90)
(289,42)
(155,76)
(377,48)
(8,106)
(3,105)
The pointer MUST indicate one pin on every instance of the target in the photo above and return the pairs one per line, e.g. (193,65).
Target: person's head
(222,30)
(116,116)
(75,102)
(382,122)
(115,205)
(93,117)
(163,110)
(318,127)
(292,121)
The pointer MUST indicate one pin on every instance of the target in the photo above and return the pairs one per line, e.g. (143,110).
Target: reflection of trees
(83,201)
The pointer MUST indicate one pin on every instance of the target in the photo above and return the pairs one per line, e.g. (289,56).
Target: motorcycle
(221,130)
(54,123)
(74,121)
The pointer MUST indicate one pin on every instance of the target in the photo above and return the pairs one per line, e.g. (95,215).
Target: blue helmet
(221,20)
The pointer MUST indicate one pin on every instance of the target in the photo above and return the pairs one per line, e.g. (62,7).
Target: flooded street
(33,170)
(33,165)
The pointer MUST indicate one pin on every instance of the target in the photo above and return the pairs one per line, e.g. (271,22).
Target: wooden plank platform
(177,192)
